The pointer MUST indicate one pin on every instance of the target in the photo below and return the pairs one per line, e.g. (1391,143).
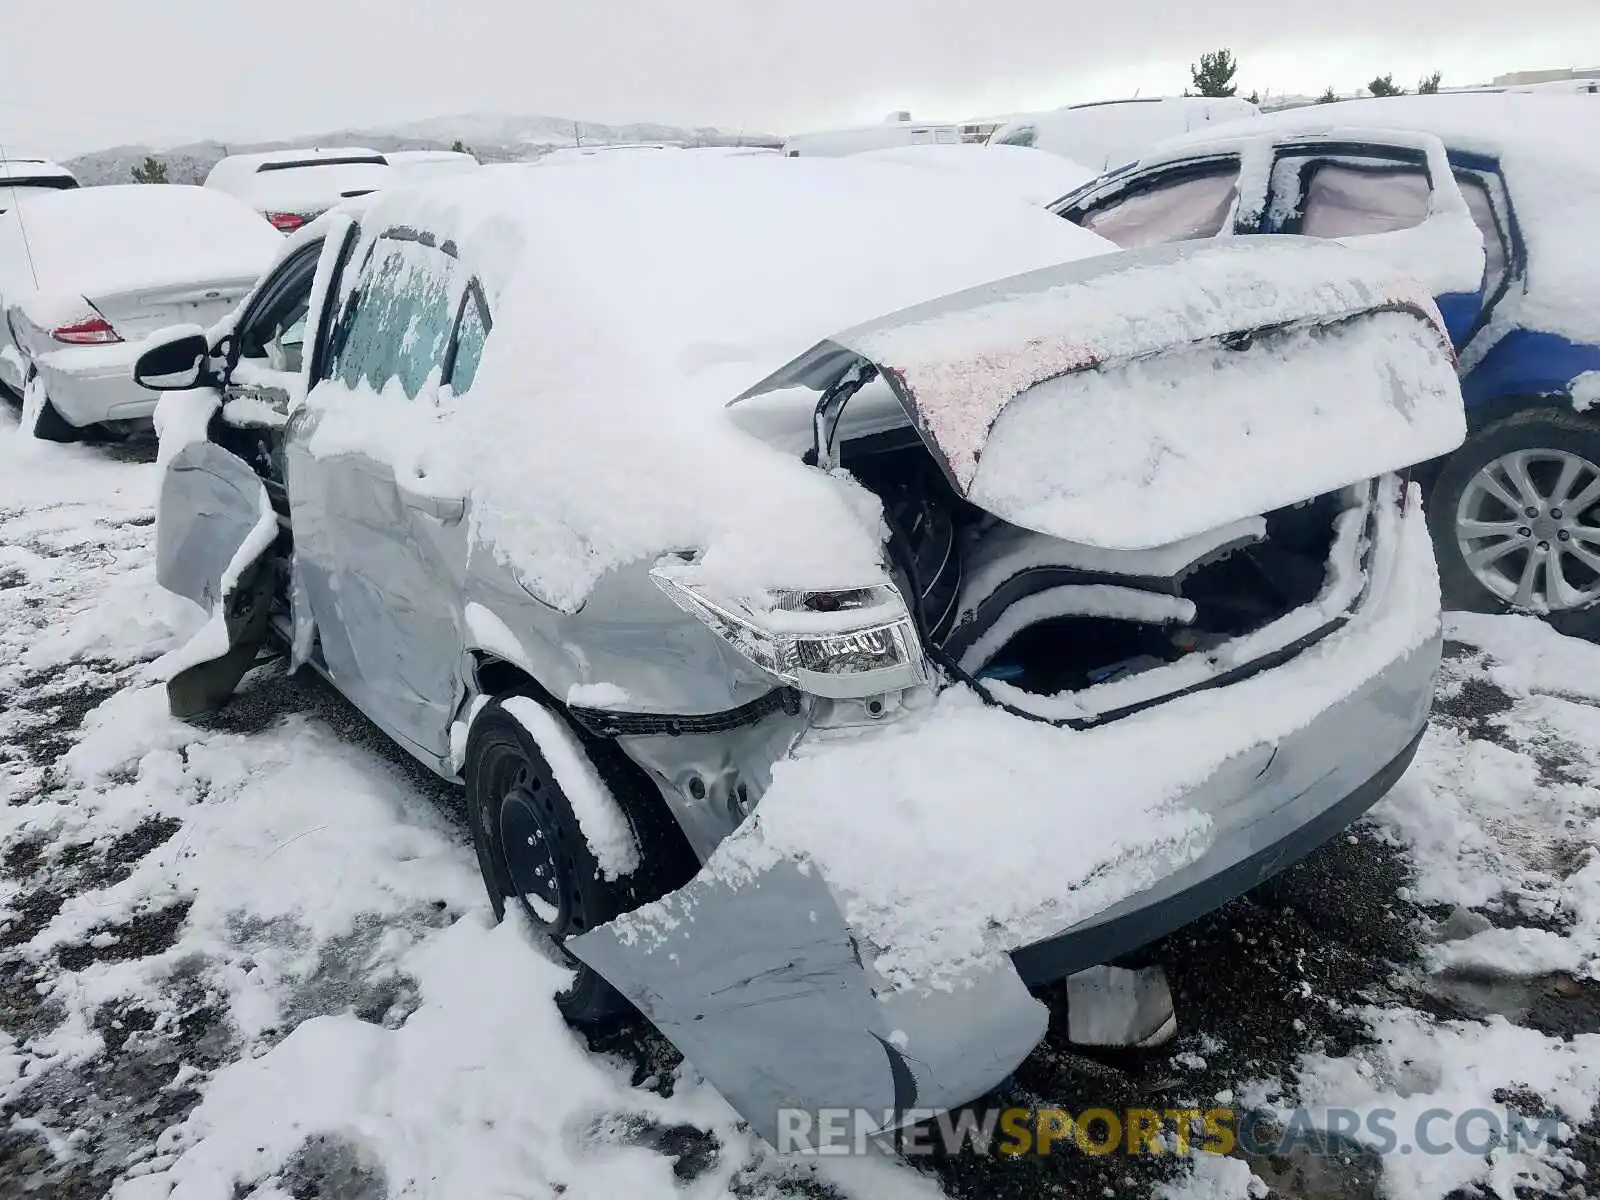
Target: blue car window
(1481,206)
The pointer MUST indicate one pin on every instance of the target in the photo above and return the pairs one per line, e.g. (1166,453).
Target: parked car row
(85,273)
(729,550)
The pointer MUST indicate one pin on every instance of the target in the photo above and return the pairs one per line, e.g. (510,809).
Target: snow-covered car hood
(1131,401)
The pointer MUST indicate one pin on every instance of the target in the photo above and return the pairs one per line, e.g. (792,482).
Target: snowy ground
(252,958)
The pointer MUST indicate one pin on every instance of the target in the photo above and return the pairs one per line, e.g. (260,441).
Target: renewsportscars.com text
(1103,1131)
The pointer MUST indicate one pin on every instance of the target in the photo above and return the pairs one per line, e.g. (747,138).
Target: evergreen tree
(152,170)
(1214,74)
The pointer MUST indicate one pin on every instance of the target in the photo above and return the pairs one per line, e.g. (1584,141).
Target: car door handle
(447,510)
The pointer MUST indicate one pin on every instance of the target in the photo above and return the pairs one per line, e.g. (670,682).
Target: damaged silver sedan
(832,643)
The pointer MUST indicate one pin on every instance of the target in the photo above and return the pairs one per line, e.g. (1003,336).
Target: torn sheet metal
(764,988)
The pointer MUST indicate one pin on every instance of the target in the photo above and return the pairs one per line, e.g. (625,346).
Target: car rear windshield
(290,164)
(58,182)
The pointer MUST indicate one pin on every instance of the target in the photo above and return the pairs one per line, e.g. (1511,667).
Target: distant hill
(492,137)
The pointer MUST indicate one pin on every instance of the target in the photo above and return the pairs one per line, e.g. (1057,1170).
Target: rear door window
(1175,206)
(472,331)
(1482,207)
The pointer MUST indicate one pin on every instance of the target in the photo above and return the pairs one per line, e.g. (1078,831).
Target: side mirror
(174,359)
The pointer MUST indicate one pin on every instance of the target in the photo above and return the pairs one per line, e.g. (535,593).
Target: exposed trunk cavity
(1079,634)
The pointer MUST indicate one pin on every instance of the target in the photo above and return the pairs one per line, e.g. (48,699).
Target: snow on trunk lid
(144,310)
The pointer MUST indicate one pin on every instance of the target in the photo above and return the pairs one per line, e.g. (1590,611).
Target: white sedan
(86,273)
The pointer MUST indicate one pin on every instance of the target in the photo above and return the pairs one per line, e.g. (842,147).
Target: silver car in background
(86,273)
(837,628)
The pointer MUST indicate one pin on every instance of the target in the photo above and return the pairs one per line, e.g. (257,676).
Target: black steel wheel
(533,854)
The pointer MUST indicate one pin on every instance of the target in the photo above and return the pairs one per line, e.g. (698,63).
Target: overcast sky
(91,73)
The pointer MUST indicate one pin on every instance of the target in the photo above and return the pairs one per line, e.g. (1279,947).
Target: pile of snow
(1420,1065)
(1489,825)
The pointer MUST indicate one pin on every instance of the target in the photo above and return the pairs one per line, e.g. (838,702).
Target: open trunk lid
(1134,400)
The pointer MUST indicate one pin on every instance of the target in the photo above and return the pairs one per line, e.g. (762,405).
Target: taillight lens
(91,331)
(840,644)
(286,222)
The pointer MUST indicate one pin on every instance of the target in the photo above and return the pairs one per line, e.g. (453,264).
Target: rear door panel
(382,598)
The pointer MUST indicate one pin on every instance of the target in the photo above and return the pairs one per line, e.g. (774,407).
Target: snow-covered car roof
(1546,125)
(103,240)
(1030,175)
(655,254)
(424,166)
(1106,134)
(398,157)
(635,297)
(1545,144)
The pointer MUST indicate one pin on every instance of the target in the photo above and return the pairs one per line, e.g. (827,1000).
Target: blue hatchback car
(1515,512)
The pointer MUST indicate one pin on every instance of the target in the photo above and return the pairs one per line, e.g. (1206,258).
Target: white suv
(292,187)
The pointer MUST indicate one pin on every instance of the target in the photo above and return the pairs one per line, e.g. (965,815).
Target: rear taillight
(286,222)
(91,331)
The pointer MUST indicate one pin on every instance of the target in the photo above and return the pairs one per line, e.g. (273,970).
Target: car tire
(1549,430)
(512,793)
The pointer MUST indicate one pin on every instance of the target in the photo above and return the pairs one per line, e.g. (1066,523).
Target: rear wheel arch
(1499,409)
(665,862)
(494,678)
